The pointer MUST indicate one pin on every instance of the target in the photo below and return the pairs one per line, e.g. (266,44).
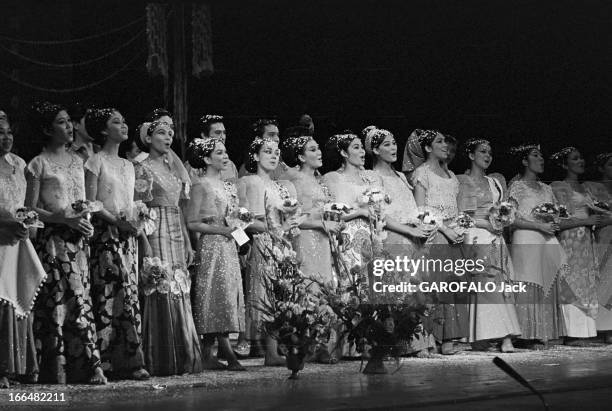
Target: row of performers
(93,313)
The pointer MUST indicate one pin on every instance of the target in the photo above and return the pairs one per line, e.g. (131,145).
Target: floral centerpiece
(28,217)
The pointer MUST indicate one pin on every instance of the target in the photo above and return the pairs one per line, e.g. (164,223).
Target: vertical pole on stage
(179,75)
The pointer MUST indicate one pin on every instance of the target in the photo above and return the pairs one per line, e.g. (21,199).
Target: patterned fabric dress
(538,260)
(64,324)
(356,249)
(492,314)
(603,255)
(579,300)
(218,300)
(17,349)
(255,194)
(403,209)
(114,269)
(449,319)
(170,340)
(312,246)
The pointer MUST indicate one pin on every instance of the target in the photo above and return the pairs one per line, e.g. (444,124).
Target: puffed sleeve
(466,199)
(35,168)
(94,164)
(421,177)
(332,181)
(562,194)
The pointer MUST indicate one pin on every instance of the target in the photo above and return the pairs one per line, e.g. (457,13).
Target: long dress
(538,261)
(356,249)
(492,314)
(21,274)
(216,293)
(312,246)
(169,336)
(579,300)
(64,323)
(449,319)
(603,255)
(258,195)
(114,269)
(403,210)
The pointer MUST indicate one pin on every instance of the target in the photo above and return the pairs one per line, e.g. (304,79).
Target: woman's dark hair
(254,148)
(42,116)
(79,110)
(157,114)
(293,148)
(334,147)
(95,123)
(426,139)
(521,152)
(198,149)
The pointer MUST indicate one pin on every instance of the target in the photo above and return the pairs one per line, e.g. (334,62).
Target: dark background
(509,71)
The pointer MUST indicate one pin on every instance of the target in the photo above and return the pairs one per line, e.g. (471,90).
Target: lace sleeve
(94,164)
(421,177)
(35,168)
(518,193)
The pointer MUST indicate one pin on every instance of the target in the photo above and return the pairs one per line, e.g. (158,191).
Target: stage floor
(569,378)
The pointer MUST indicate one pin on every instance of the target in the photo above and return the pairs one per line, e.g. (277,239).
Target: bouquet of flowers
(427,219)
(28,217)
(239,217)
(291,208)
(157,276)
(600,207)
(142,217)
(334,211)
(549,212)
(374,198)
(502,214)
(85,208)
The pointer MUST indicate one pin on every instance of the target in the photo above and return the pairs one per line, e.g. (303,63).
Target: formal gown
(263,198)
(114,268)
(403,209)
(170,340)
(312,246)
(603,255)
(538,261)
(64,322)
(21,274)
(216,292)
(578,301)
(449,319)
(492,314)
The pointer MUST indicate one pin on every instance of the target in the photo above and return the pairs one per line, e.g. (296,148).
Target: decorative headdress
(95,121)
(425,137)
(342,141)
(158,113)
(147,129)
(254,148)
(374,138)
(297,144)
(523,150)
(208,119)
(603,158)
(200,148)
(473,143)
(559,157)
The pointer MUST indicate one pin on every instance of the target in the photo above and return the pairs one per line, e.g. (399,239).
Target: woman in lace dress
(64,325)
(537,256)
(218,301)
(262,196)
(170,340)
(405,234)
(435,192)
(21,272)
(602,191)
(579,301)
(492,314)
(114,268)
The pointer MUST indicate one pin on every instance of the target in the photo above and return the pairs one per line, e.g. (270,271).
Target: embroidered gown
(169,336)
(21,274)
(538,260)
(449,319)
(312,246)
(114,269)
(403,209)
(579,300)
(256,194)
(64,324)
(218,301)
(492,314)
(603,255)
